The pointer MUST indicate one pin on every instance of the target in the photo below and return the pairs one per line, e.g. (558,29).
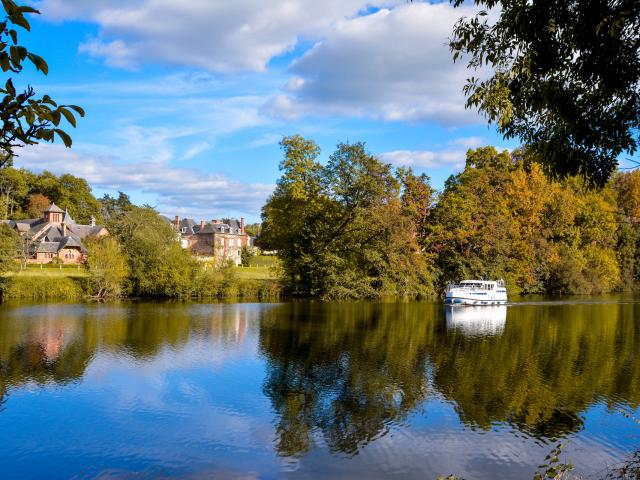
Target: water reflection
(349,371)
(470,320)
(339,377)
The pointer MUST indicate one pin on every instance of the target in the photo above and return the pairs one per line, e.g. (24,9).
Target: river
(317,390)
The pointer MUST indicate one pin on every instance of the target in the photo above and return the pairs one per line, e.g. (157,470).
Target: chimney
(93,221)
(201,224)
(176,221)
(242,225)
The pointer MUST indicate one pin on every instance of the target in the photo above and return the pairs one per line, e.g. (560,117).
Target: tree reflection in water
(348,372)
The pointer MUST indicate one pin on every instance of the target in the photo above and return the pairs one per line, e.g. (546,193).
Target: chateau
(55,236)
(216,239)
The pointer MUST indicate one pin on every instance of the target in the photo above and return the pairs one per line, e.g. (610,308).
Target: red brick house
(55,235)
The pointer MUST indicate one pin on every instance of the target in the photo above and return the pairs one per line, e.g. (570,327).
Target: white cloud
(391,65)
(469,142)
(214,35)
(183,191)
(425,158)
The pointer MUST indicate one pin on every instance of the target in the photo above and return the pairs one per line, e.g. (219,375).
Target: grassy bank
(70,283)
(46,286)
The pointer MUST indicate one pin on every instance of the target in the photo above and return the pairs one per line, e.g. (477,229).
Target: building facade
(218,240)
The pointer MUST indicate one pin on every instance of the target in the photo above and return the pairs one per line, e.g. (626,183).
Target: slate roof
(46,247)
(70,242)
(53,208)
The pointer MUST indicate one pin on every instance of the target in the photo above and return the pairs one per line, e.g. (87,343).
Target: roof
(68,219)
(71,242)
(47,247)
(53,208)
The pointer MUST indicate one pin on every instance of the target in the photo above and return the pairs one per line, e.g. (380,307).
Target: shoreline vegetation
(354,227)
(351,228)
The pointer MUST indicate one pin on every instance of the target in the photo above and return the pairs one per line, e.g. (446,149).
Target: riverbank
(71,283)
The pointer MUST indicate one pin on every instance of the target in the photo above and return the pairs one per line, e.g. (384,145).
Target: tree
(566,78)
(9,248)
(26,120)
(340,229)
(107,268)
(13,186)
(253,229)
(38,203)
(158,265)
(112,207)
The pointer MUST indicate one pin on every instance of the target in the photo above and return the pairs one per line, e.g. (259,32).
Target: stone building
(216,239)
(55,235)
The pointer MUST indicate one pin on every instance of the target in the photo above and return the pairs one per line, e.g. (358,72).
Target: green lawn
(255,273)
(35,271)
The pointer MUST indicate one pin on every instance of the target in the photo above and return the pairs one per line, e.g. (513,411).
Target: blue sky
(186,101)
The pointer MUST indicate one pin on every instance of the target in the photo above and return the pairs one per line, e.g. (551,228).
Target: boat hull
(455,300)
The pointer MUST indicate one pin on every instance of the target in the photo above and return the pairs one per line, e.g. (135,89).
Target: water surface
(312,390)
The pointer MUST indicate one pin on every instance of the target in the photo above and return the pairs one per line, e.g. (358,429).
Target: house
(216,239)
(55,235)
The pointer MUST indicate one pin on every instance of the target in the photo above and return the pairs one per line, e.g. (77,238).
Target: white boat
(477,320)
(477,292)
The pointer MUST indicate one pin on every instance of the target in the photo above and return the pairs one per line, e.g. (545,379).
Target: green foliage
(566,78)
(43,288)
(113,207)
(222,281)
(158,266)
(553,469)
(24,194)
(26,120)
(69,193)
(107,268)
(245,256)
(9,247)
(340,229)
(253,229)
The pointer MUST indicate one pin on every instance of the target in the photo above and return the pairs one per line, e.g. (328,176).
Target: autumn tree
(38,203)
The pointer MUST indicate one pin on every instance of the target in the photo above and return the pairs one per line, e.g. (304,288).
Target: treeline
(355,228)
(24,194)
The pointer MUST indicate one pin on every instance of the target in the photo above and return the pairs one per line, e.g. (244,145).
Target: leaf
(18,19)
(10,88)
(64,136)
(14,36)
(17,54)
(68,115)
(39,62)
(78,109)
(47,99)
(26,9)
(4,61)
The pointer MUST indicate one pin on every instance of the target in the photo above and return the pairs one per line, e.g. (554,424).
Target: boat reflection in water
(477,321)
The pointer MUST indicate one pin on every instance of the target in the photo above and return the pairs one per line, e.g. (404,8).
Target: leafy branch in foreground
(564,78)
(26,120)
